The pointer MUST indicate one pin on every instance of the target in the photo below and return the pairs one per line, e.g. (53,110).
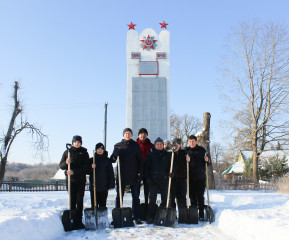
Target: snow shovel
(95,218)
(188,214)
(122,217)
(210,216)
(167,216)
(144,211)
(68,216)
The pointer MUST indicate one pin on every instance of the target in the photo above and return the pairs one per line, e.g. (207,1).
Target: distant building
(59,175)
(236,171)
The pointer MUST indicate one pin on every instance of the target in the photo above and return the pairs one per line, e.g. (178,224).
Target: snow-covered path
(239,215)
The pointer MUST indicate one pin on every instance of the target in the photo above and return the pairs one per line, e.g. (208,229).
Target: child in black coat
(104,176)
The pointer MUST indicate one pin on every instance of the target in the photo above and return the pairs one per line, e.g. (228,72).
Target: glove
(116,153)
(171,174)
(138,179)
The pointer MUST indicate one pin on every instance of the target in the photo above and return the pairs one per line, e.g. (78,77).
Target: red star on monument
(131,26)
(164,25)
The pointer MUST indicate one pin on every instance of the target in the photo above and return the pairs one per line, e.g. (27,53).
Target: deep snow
(239,215)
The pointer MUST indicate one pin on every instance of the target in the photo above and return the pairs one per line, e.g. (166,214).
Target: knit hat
(177,140)
(158,140)
(99,145)
(77,138)
(143,130)
(127,130)
(167,141)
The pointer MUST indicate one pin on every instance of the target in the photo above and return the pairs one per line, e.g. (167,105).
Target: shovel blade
(188,215)
(165,217)
(90,219)
(210,216)
(95,219)
(122,217)
(68,218)
(102,218)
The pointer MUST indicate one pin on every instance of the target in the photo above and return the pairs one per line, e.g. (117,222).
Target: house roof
(237,167)
(266,154)
(59,175)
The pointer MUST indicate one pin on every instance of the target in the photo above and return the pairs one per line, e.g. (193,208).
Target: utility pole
(105,123)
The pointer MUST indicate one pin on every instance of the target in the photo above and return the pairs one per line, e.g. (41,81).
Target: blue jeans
(135,192)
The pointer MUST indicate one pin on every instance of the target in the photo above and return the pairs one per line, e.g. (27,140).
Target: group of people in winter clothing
(140,161)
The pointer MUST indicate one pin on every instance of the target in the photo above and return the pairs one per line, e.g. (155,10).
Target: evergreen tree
(273,168)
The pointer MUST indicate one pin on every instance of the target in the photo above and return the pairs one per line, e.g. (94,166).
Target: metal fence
(13,186)
(245,185)
(39,186)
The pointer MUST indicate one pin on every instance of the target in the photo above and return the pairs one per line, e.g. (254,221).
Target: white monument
(148,78)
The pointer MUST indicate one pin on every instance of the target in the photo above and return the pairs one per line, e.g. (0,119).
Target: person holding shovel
(179,185)
(157,174)
(79,164)
(131,170)
(146,147)
(196,156)
(104,177)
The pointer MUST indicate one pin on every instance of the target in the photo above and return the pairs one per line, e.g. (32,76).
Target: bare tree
(16,126)
(184,126)
(258,68)
(217,155)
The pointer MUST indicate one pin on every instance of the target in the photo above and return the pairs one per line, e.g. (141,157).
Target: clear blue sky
(69,57)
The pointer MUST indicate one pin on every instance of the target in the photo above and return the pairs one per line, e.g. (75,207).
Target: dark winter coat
(131,162)
(146,147)
(158,165)
(197,162)
(79,163)
(180,164)
(104,176)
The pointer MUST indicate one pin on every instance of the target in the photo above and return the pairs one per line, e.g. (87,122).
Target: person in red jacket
(146,147)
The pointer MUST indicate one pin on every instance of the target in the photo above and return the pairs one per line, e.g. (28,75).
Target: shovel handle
(119,183)
(188,186)
(207,183)
(94,187)
(170,180)
(68,146)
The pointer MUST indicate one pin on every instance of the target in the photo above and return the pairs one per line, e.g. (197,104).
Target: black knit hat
(77,138)
(99,145)
(127,130)
(158,140)
(143,130)
(177,140)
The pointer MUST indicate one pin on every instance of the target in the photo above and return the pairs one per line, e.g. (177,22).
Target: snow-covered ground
(240,215)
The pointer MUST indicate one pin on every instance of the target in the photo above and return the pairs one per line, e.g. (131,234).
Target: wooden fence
(35,186)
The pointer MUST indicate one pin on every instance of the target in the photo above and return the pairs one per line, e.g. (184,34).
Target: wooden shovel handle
(68,146)
(188,186)
(94,187)
(170,180)
(207,184)
(119,183)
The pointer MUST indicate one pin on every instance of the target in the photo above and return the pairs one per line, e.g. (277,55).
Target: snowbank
(239,215)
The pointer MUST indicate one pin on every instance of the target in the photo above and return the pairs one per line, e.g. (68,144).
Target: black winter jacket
(158,165)
(131,162)
(197,162)
(180,164)
(104,176)
(79,163)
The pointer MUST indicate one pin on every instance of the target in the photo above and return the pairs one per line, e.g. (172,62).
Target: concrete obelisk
(148,78)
